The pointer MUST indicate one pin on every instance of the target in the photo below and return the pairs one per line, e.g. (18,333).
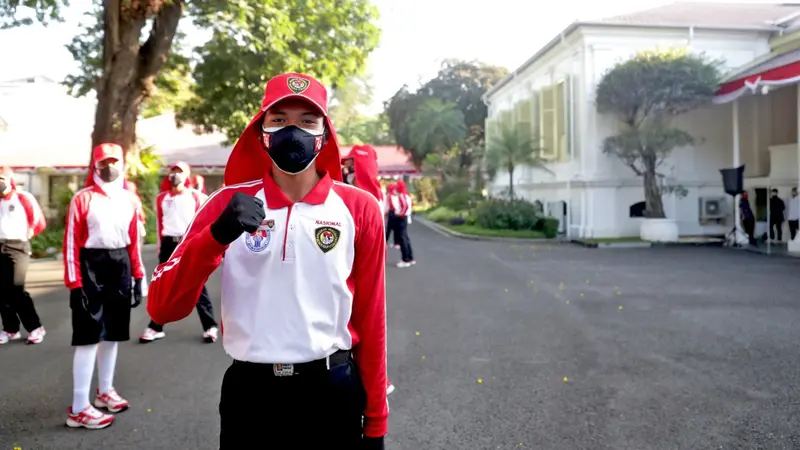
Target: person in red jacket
(400,208)
(361,170)
(21,219)
(199,183)
(176,206)
(101,259)
(303,289)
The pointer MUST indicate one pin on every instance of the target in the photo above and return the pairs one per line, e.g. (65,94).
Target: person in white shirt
(176,206)
(21,219)
(794,213)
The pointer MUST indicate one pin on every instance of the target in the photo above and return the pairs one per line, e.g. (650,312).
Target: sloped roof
(391,159)
(706,14)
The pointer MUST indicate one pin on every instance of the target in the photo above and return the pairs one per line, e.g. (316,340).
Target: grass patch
(479,231)
(611,240)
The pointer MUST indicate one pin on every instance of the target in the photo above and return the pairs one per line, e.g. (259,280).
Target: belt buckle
(283,370)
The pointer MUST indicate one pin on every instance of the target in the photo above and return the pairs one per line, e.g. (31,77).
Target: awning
(782,70)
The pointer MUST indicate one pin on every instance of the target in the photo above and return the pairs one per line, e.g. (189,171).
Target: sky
(416,36)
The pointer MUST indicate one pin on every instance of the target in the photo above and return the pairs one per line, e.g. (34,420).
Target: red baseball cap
(106,151)
(249,161)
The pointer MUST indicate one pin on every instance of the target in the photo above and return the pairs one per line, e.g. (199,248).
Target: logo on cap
(297,85)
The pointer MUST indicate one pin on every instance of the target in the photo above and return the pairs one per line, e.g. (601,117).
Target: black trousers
(390,231)
(793,225)
(16,305)
(749,224)
(400,227)
(316,409)
(108,286)
(776,227)
(205,310)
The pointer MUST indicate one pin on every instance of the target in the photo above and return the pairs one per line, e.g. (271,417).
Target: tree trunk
(511,182)
(654,206)
(130,67)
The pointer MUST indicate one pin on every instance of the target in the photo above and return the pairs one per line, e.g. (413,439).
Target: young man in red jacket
(101,261)
(176,206)
(303,290)
(21,219)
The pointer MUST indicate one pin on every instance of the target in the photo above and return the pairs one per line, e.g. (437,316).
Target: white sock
(82,369)
(106,364)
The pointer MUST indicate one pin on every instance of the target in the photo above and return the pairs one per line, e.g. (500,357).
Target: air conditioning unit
(713,209)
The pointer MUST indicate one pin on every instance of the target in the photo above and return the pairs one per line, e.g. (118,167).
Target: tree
(124,52)
(462,83)
(348,101)
(510,148)
(372,130)
(436,127)
(645,93)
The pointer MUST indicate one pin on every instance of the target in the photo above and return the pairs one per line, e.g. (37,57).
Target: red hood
(199,182)
(365,167)
(101,152)
(166,185)
(401,187)
(249,161)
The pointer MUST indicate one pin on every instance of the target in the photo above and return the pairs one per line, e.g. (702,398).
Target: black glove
(372,443)
(243,213)
(137,293)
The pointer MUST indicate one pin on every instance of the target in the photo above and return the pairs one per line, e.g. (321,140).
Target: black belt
(288,370)
(175,239)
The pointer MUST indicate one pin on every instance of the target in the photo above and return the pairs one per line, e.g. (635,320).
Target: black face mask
(176,179)
(291,148)
(109,174)
(3,187)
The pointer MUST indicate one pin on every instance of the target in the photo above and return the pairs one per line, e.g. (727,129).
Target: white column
(794,245)
(737,216)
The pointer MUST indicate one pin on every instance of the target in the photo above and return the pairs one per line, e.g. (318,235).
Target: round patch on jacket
(327,238)
(258,241)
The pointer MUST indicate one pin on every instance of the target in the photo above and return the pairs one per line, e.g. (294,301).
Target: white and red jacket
(99,220)
(175,211)
(399,203)
(21,217)
(310,281)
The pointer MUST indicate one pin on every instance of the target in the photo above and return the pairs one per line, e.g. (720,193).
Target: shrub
(458,221)
(451,187)
(49,238)
(462,200)
(549,226)
(502,214)
(444,215)
(425,190)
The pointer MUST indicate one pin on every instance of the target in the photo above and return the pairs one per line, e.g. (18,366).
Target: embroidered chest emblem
(259,240)
(326,238)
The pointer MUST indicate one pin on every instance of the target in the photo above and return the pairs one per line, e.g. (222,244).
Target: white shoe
(390,389)
(36,336)
(6,337)
(210,336)
(151,335)
(402,264)
(111,401)
(89,418)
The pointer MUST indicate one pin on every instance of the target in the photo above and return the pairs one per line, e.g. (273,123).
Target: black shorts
(108,285)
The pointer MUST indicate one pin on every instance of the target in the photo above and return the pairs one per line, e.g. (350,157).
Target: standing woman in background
(21,219)
(400,204)
(101,258)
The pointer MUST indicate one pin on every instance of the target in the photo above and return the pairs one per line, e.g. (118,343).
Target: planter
(658,230)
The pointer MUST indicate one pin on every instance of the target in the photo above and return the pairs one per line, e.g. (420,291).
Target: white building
(553,94)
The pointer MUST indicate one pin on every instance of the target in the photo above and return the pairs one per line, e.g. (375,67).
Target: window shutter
(547,120)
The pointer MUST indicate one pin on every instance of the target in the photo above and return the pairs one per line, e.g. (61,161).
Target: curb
(444,231)
(644,244)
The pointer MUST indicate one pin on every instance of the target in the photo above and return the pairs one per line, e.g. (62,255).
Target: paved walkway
(492,346)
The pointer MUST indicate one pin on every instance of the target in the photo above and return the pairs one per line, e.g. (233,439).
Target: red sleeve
(176,284)
(74,239)
(369,314)
(36,220)
(159,218)
(135,247)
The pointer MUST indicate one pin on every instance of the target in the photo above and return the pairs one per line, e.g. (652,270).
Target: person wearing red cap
(21,219)
(303,289)
(101,259)
(176,206)
(360,169)
(400,208)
